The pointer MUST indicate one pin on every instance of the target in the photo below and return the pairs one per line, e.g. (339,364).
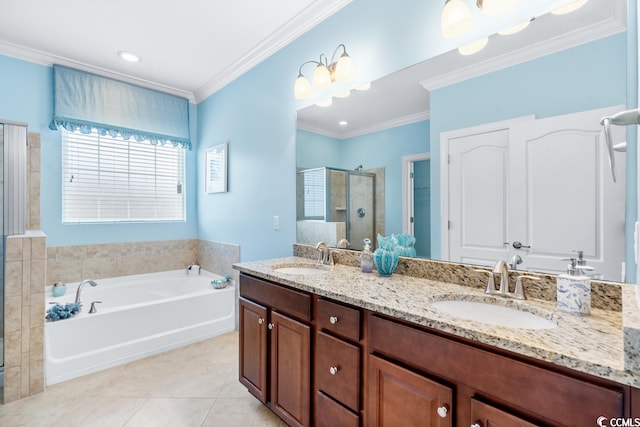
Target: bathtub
(139,316)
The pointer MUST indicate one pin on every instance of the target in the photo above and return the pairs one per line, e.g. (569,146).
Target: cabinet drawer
(285,300)
(497,377)
(328,413)
(337,370)
(339,319)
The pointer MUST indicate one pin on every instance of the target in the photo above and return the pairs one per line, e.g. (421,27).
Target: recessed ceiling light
(128,56)
(343,122)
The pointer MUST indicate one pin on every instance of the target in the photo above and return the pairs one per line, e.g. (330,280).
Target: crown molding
(294,28)
(614,25)
(399,121)
(47,59)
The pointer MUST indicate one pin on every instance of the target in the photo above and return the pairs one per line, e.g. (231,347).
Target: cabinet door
(397,397)
(483,415)
(290,369)
(253,348)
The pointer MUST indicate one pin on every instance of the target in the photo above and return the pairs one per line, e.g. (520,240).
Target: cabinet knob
(475,425)
(260,321)
(270,325)
(333,320)
(333,370)
(442,411)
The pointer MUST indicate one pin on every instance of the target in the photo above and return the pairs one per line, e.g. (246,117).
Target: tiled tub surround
(592,344)
(24,306)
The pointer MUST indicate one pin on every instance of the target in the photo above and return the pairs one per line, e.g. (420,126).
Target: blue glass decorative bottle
(386,257)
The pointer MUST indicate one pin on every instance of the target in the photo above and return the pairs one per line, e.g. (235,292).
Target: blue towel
(59,312)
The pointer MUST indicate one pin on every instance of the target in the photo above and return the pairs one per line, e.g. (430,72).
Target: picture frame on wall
(216,161)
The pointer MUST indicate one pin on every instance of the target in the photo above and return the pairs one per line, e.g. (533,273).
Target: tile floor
(196,385)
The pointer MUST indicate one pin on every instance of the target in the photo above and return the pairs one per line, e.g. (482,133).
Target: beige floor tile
(174,412)
(244,412)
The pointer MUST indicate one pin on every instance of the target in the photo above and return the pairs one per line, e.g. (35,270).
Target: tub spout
(80,286)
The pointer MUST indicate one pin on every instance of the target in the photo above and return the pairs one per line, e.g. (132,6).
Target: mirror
(395,112)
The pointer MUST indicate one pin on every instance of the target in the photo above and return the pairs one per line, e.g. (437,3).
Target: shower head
(358,168)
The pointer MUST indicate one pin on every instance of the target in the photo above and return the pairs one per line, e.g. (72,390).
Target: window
(108,179)
(314,192)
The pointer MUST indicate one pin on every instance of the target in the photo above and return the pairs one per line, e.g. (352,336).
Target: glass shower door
(361,209)
(2,246)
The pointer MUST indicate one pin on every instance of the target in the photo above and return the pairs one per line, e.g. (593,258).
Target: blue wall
(382,149)
(583,78)
(26,96)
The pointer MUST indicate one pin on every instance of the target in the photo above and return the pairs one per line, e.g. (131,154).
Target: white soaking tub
(139,316)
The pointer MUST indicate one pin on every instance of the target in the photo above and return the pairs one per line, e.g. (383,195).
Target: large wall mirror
(556,68)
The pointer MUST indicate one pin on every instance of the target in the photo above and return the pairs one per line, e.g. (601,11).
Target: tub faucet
(80,286)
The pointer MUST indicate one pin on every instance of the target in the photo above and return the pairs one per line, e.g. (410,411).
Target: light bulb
(574,5)
(345,70)
(456,19)
(321,77)
(302,88)
(474,46)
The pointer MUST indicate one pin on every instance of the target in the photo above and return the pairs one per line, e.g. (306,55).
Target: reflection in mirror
(553,68)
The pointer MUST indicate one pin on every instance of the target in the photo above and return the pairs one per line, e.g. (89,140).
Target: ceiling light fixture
(128,56)
(343,122)
(474,46)
(325,74)
(455,19)
(568,8)
(496,7)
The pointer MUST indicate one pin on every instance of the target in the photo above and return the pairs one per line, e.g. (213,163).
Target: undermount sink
(300,269)
(493,314)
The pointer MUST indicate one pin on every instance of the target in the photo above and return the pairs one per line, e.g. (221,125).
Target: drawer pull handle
(442,412)
(270,325)
(333,320)
(333,370)
(260,321)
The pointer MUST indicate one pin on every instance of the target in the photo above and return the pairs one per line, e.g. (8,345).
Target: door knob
(518,245)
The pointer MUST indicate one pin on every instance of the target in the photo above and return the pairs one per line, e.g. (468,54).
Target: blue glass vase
(386,257)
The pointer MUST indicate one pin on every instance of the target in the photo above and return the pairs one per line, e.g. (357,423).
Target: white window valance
(88,102)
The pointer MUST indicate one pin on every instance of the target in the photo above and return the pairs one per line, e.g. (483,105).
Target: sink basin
(300,269)
(493,314)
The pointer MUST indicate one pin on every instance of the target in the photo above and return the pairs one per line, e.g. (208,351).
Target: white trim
(407,191)
(399,121)
(616,24)
(444,168)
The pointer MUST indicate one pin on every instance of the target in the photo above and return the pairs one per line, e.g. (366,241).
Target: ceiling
(402,97)
(189,48)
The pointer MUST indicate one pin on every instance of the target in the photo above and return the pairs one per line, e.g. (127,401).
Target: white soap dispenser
(366,257)
(574,288)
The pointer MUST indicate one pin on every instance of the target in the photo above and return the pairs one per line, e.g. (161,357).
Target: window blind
(314,193)
(108,179)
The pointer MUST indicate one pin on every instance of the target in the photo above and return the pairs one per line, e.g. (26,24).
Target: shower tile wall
(33,181)
(24,315)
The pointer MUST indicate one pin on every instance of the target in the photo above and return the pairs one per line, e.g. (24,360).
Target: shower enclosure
(2,248)
(334,204)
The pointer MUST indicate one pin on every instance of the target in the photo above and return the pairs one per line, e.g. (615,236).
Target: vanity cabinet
(275,347)
(337,364)
(489,385)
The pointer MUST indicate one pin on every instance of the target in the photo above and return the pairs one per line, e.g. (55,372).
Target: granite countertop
(593,344)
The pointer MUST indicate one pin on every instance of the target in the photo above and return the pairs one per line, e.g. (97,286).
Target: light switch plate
(276,222)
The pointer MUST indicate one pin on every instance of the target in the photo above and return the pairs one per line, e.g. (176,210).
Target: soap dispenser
(366,257)
(574,288)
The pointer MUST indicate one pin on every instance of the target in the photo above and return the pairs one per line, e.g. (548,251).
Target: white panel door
(479,197)
(567,200)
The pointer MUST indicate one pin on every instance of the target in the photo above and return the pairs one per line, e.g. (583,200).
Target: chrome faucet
(80,286)
(503,290)
(325,255)
(503,271)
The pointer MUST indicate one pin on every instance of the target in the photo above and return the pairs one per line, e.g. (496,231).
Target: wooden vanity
(319,361)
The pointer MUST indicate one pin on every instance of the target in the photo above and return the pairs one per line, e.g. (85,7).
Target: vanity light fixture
(568,8)
(363,86)
(325,102)
(344,94)
(325,74)
(455,19)
(496,7)
(474,46)
(128,56)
